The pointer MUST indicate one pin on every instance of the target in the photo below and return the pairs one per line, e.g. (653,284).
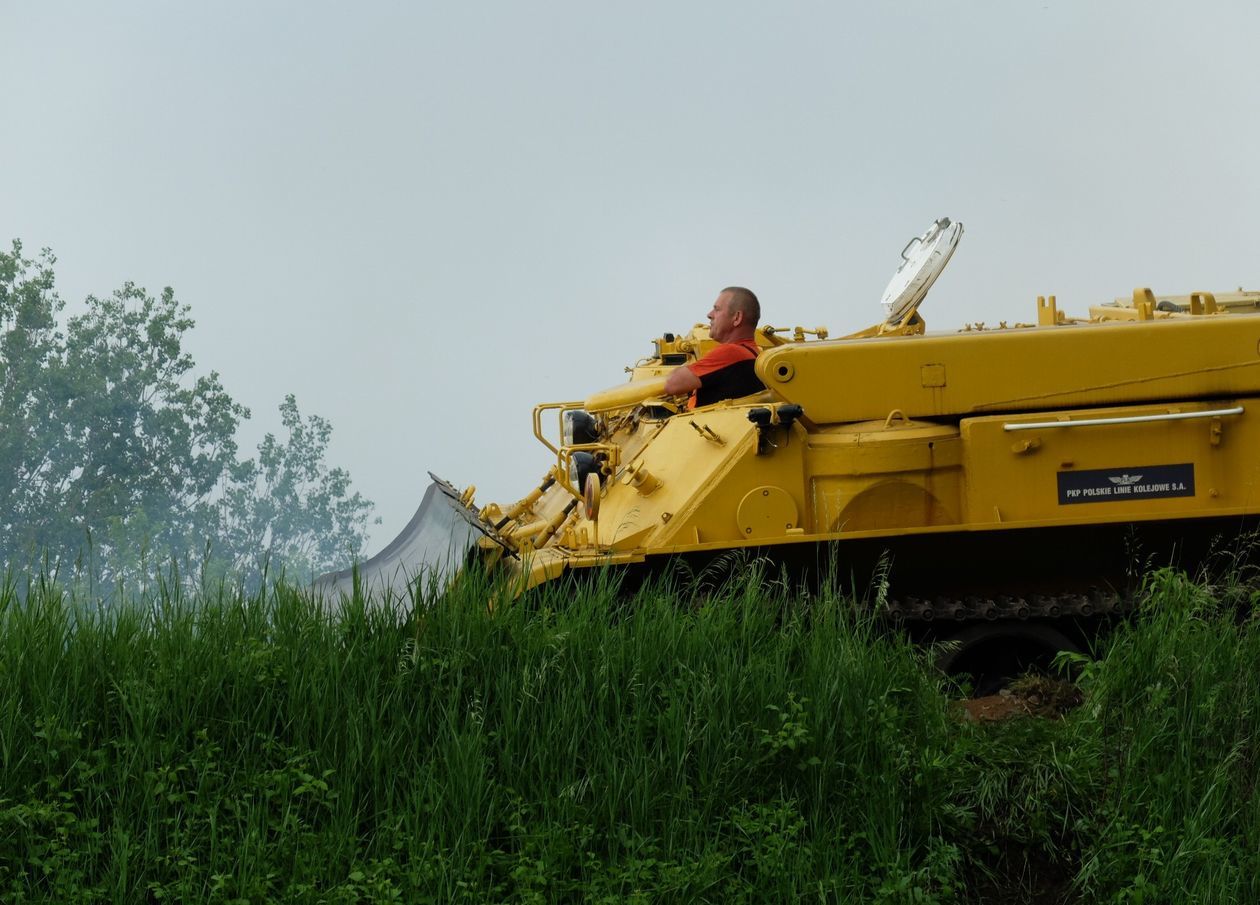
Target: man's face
(723,321)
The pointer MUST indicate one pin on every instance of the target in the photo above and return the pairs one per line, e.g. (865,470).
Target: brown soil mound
(1029,696)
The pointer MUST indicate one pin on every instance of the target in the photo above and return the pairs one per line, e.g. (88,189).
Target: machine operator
(726,372)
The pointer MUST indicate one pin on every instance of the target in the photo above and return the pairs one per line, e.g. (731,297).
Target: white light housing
(922,261)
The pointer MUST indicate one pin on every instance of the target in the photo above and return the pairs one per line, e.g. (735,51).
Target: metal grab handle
(933,231)
(1132,419)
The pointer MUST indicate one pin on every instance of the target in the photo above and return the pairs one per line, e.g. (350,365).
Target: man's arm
(680,381)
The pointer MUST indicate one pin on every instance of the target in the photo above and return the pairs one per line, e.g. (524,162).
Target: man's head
(734,316)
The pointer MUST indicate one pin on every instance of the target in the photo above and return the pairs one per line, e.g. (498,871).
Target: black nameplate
(1137,482)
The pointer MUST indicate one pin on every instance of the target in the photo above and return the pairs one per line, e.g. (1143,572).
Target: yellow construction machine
(1000,480)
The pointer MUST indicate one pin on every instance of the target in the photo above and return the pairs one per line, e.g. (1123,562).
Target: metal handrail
(546,407)
(1130,419)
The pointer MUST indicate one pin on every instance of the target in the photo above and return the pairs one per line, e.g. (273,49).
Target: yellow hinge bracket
(1203,303)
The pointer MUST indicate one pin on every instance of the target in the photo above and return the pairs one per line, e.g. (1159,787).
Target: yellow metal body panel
(1026,369)
(696,481)
(869,477)
(1011,485)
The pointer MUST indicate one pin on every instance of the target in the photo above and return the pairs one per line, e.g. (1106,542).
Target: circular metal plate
(766,512)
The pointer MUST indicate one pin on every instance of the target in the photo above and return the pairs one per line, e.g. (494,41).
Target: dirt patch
(1041,696)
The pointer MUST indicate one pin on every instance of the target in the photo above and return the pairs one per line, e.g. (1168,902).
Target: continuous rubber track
(1005,607)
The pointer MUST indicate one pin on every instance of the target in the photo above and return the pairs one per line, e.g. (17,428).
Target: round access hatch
(766,512)
(922,261)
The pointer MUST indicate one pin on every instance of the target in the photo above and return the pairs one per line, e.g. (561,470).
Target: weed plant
(740,743)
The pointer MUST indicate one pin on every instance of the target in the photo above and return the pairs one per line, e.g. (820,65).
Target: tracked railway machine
(1023,472)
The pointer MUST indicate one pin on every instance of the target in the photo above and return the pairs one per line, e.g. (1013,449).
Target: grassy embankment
(758,747)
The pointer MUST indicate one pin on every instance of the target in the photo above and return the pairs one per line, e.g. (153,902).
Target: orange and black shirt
(726,373)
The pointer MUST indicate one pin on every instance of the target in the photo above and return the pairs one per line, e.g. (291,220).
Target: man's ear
(737,318)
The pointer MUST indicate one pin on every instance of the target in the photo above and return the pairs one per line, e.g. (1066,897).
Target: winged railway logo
(1118,485)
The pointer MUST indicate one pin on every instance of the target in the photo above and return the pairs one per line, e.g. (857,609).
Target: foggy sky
(423,219)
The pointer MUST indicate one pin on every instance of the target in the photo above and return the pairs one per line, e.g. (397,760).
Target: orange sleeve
(720,357)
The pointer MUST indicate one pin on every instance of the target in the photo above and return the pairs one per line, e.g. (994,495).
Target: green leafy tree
(33,387)
(115,452)
(148,442)
(288,507)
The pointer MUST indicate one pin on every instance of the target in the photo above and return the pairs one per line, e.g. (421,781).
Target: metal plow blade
(430,551)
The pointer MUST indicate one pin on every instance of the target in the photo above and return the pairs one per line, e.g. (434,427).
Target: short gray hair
(743,300)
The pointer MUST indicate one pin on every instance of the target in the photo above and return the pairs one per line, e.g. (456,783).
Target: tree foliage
(288,506)
(115,451)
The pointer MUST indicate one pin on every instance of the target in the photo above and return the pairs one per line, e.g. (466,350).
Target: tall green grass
(1174,711)
(744,744)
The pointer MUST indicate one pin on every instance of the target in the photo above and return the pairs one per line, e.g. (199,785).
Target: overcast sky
(423,219)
